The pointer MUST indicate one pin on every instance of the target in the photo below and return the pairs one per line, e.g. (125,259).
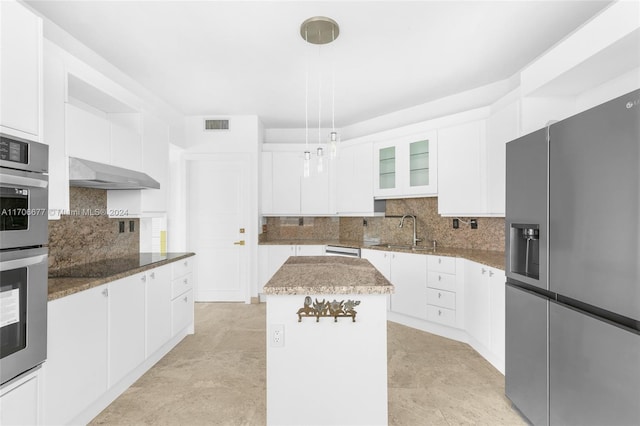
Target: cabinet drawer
(181,267)
(442,264)
(441,281)
(441,315)
(181,285)
(181,312)
(441,298)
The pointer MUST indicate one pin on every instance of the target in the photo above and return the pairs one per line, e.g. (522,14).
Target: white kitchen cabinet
(149,155)
(315,189)
(285,182)
(20,72)
(497,281)
(182,308)
(126,325)
(273,257)
(155,162)
(503,125)
(87,134)
(478,308)
(406,167)
(181,312)
(445,291)
(54,78)
(485,311)
(285,190)
(354,177)
(381,260)
(408,273)
(126,147)
(97,338)
(75,373)
(158,308)
(20,401)
(462,169)
(409,276)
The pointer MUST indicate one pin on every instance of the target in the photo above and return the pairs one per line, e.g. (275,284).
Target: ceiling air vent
(216,124)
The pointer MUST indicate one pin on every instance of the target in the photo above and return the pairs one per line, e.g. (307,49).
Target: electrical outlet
(276,335)
(474,224)
(456,223)
(121,226)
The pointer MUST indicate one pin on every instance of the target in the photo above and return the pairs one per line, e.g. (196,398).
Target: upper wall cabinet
(462,185)
(87,134)
(503,125)
(155,162)
(471,161)
(406,167)
(354,180)
(286,191)
(20,72)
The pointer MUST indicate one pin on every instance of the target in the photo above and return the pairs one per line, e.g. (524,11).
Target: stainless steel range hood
(89,174)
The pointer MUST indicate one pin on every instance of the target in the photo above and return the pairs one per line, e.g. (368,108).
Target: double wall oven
(23,256)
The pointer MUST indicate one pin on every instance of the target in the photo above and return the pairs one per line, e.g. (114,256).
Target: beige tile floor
(217,377)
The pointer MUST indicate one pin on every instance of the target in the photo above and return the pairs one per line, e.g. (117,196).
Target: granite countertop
(340,243)
(67,281)
(327,275)
(495,259)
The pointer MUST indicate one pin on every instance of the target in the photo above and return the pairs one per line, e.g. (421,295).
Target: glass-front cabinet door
(387,163)
(406,167)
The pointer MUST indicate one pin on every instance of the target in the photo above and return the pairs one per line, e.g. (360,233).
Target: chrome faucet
(415,237)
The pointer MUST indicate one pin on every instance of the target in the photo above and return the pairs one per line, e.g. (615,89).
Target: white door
(217,208)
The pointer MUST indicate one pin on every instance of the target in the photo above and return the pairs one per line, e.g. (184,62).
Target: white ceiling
(247,57)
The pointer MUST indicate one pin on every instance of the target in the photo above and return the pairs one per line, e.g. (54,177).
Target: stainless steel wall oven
(23,256)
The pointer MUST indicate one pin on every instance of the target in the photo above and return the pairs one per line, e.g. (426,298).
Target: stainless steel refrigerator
(573,268)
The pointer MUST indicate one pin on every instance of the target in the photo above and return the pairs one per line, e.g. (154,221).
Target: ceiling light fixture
(319,30)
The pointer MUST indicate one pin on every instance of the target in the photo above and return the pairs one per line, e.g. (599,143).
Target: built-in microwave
(23,194)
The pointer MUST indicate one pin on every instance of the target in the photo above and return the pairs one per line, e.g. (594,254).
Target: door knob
(239,243)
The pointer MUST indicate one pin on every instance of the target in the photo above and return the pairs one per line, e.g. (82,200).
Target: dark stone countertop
(67,281)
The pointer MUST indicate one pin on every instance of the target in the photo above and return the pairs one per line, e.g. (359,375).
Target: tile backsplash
(87,234)
(430,226)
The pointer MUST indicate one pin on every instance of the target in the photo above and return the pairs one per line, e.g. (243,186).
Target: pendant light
(319,30)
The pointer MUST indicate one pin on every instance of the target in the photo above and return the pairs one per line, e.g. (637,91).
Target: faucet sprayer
(415,237)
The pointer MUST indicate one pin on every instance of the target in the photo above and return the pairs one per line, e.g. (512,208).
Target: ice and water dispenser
(525,250)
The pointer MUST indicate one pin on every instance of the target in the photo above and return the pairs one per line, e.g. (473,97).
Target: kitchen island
(327,342)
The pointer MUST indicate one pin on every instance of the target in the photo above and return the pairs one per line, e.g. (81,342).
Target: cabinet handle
(153,275)
(439,295)
(186,281)
(439,260)
(439,312)
(143,278)
(490,273)
(186,263)
(186,299)
(484,271)
(439,278)
(385,255)
(105,292)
